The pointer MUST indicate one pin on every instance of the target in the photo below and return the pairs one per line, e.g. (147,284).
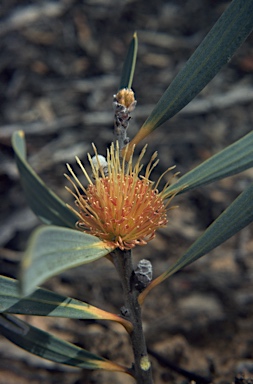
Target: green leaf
(52,250)
(129,64)
(47,303)
(230,161)
(217,48)
(237,216)
(45,204)
(49,347)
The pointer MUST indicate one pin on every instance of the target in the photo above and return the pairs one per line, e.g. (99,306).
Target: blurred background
(60,64)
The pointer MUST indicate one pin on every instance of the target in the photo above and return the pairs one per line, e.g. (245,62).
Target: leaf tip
(21,133)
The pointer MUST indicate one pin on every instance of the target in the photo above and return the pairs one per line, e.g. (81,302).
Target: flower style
(119,205)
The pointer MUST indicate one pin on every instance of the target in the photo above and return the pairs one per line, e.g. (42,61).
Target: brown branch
(132,312)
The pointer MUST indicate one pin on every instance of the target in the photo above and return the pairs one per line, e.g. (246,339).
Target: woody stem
(132,311)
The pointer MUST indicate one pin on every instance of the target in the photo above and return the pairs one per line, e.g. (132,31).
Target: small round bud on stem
(99,161)
(124,103)
(143,274)
(100,164)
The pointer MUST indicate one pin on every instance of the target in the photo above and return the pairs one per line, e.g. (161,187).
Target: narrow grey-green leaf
(45,204)
(237,216)
(43,302)
(52,348)
(52,250)
(216,50)
(129,64)
(230,161)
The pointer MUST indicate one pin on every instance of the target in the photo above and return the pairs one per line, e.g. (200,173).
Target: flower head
(119,206)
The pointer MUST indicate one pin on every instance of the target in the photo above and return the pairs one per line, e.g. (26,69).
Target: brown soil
(60,64)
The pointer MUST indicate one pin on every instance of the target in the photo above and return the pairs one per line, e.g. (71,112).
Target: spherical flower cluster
(119,206)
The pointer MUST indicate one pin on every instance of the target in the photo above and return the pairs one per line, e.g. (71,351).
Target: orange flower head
(119,206)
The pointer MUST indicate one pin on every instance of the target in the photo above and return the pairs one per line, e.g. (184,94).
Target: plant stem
(132,311)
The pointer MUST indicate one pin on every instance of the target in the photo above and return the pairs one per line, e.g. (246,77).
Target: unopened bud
(126,98)
(100,164)
(99,161)
(143,274)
